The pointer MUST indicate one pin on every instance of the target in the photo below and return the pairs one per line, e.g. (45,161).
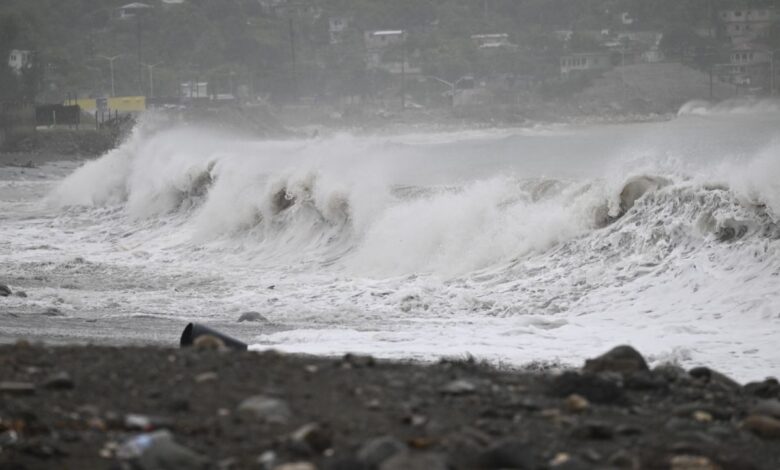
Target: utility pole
(151,77)
(294,61)
(111,65)
(403,81)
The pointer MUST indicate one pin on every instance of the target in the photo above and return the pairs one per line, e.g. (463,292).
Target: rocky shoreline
(204,407)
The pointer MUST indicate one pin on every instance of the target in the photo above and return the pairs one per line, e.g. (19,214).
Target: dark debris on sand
(155,409)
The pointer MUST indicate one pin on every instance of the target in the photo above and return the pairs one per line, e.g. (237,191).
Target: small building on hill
(19,60)
(747,24)
(584,62)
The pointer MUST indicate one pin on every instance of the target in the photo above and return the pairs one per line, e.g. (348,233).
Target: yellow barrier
(125,104)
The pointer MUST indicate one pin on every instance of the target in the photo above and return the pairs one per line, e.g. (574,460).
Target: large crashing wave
(385,206)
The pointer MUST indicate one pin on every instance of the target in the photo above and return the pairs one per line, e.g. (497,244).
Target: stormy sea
(548,243)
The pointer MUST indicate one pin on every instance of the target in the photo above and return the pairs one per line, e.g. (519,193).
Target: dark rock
(17,388)
(21,293)
(459,387)
(5,291)
(376,451)
(345,463)
(178,404)
(415,462)
(510,453)
(52,312)
(769,388)
(670,372)
(311,439)
(622,359)
(359,360)
(252,316)
(60,381)
(270,410)
(767,408)
(646,380)
(710,376)
(593,387)
(623,459)
(593,430)
(762,426)
(41,447)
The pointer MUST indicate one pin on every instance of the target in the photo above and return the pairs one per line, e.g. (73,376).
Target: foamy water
(551,243)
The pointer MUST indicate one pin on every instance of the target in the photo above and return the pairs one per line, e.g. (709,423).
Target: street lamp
(151,77)
(111,62)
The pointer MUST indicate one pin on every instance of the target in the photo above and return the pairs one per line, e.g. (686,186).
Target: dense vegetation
(241,46)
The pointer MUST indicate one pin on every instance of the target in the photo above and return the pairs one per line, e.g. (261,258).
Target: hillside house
(583,62)
(19,60)
(749,65)
(131,9)
(746,25)
(492,41)
(337,28)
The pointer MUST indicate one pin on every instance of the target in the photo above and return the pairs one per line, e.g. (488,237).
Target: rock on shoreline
(149,408)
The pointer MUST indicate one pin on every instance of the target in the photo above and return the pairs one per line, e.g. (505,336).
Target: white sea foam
(514,246)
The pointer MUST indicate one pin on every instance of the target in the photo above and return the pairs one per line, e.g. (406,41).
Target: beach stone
(158,451)
(689,410)
(17,388)
(593,430)
(415,462)
(762,426)
(594,388)
(692,462)
(646,380)
(767,408)
(713,377)
(311,439)
(358,360)
(576,404)
(252,316)
(769,388)
(622,359)
(296,466)
(210,376)
(376,451)
(508,453)
(345,463)
(670,372)
(5,291)
(59,381)
(459,387)
(52,312)
(267,409)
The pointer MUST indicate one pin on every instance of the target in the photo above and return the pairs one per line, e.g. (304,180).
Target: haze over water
(513,245)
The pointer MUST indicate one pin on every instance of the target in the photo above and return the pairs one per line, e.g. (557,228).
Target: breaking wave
(385,206)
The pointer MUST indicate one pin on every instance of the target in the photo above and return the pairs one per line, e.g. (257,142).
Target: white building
(492,41)
(19,60)
(584,62)
(131,9)
(746,25)
(337,27)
